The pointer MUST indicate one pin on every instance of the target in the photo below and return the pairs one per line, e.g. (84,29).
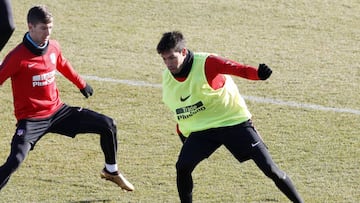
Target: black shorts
(241,140)
(68,121)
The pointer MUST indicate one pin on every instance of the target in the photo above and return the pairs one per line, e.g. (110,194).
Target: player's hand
(264,71)
(87,91)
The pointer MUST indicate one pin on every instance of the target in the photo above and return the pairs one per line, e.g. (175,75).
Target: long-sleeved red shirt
(215,67)
(35,94)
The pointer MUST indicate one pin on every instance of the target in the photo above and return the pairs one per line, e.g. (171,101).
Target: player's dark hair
(171,40)
(39,14)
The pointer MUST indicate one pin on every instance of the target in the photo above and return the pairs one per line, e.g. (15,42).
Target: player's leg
(245,143)
(17,155)
(264,161)
(23,141)
(7,26)
(71,121)
(196,148)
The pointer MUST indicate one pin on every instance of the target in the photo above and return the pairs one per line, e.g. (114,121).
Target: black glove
(264,71)
(87,91)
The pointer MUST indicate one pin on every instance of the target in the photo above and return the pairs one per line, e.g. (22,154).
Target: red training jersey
(35,94)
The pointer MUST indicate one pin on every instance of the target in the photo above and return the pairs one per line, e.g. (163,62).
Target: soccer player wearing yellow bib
(210,112)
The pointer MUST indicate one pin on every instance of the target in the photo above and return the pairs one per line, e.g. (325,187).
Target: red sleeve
(215,66)
(66,69)
(10,65)
(178,129)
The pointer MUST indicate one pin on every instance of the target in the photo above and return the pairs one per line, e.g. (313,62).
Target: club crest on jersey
(53,58)
(20,132)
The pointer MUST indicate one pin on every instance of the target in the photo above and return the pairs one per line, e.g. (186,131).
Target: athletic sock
(111,167)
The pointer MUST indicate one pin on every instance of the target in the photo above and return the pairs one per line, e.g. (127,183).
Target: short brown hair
(39,14)
(171,40)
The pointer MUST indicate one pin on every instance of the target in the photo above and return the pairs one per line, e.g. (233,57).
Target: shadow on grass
(91,201)
(58,182)
(77,185)
(270,200)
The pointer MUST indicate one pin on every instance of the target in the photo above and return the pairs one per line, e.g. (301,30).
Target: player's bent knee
(183,166)
(112,126)
(273,172)
(109,124)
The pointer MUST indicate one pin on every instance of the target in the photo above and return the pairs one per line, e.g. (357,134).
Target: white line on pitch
(250,98)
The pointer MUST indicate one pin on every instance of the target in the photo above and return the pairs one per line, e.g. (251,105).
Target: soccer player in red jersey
(210,112)
(32,67)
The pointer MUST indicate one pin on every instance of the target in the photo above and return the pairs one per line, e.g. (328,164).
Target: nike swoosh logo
(30,65)
(254,144)
(185,98)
